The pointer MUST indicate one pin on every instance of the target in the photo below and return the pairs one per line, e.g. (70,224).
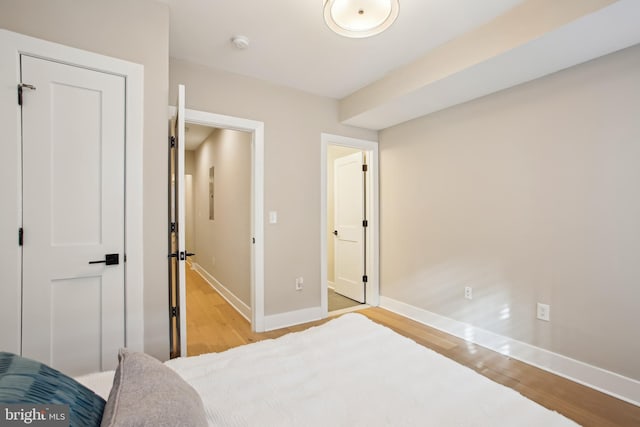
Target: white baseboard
(290,318)
(331,285)
(599,379)
(236,303)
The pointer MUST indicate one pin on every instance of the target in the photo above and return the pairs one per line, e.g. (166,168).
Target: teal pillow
(24,380)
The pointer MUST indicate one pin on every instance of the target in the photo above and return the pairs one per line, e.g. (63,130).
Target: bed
(350,371)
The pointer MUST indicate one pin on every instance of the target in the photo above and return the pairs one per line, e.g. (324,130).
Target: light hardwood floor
(214,326)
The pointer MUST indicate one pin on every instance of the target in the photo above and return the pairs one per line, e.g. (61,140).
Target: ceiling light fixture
(360,18)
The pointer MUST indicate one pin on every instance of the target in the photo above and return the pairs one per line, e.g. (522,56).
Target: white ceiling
(195,134)
(291,46)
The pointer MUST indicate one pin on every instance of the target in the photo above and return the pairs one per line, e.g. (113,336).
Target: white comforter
(351,372)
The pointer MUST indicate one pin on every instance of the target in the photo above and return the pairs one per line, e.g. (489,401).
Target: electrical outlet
(468,292)
(544,312)
(299,283)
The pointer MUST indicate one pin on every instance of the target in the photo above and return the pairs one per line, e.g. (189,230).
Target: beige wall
(333,152)
(223,245)
(189,202)
(137,31)
(293,121)
(190,162)
(528,195)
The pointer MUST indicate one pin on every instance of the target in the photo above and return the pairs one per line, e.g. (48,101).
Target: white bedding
(351,372)
(99,382)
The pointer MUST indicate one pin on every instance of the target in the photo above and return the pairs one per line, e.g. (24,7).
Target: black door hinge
(20,87)
(172,141)
(253,240)
(174,311)
(365,278)
(172,227)
(20,236)
(364,168)
(365,223)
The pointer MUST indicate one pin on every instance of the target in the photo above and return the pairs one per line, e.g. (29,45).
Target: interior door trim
(12,45)
(256,129)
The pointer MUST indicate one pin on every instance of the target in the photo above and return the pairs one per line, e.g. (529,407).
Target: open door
(350,226)
(178,253)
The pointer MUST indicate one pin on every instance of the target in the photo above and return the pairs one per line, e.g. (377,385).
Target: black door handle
(109,259)
(184,255)
(335,232)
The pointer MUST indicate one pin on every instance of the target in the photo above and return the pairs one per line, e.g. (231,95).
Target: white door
(73,215)
(179,254)
(349,200)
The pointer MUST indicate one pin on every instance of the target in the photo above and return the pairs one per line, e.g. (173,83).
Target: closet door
(73,216)
(350,233)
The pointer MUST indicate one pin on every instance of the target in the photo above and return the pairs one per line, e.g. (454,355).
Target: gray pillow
(147,393)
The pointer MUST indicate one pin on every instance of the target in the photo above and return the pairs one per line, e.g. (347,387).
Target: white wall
(528,195)
(136,31)
(189,202)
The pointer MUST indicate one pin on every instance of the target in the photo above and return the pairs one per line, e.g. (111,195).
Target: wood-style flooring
(214,326)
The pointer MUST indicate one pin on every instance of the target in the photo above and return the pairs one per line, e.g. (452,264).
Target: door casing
(12,45)
(256,129)
(373,215)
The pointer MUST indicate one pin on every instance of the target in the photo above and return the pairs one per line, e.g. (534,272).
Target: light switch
(273,217)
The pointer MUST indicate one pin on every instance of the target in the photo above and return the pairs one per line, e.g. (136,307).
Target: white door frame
(373,215)
(256,128)
(12,45)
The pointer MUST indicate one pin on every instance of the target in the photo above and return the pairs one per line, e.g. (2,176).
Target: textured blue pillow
(24,380)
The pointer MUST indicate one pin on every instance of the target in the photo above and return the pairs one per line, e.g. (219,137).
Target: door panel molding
(12,45)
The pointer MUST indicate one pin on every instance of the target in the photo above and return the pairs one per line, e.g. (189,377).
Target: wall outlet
(468,292)
(299,283)
(544,312)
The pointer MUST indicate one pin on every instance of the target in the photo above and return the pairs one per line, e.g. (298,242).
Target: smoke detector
(240,42)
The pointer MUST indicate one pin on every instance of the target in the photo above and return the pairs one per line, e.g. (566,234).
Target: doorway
(346,216)
(349,223)
(217,225)
(255,131)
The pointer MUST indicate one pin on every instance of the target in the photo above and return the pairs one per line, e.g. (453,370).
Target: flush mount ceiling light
(360,18)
